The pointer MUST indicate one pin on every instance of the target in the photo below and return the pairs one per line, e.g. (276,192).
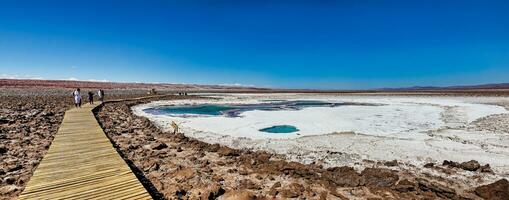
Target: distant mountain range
(460,87)
(32,83)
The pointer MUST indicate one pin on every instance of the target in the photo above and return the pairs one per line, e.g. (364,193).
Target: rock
(450,163)
(274,189)
(9,180)
(226,151)
(498,190)
(238,195)
(4,121)
(429,165)
(214,147)
(294,190)
(440,190)
(212,191)
(343,176)
(472,165)
(405,186)
(248,184)
(379,177)
(3,149)
(15,168)
(180,193)
(47,114)
(184,174)
(158,145)
(8,189)
(391,163)
(486,169)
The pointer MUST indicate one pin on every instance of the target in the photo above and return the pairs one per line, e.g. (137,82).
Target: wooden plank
(81,163)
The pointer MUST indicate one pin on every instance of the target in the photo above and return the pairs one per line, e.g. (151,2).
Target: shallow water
(280,129)
(234,110)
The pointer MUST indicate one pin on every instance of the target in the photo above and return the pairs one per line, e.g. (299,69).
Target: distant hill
(33,83)
(461,87)
(71,84)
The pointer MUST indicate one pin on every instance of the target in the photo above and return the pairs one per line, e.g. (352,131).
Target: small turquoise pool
(280,129)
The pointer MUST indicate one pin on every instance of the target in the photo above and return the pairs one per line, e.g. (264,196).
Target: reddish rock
(293,190)
(379,177)
(184,174)
(248,184)
(274,189)
(226,151)
(212,191)
(238,195)
(438,189)
(498,190)
(343,176)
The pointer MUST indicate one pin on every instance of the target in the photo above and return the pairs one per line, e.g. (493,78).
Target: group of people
(77,97)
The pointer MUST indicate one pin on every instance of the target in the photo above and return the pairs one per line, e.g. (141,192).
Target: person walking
(77,98)
(91,97)
(100,93)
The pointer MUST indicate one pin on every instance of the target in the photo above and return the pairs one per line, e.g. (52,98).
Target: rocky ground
(29,119)
(174,166)
(27,127)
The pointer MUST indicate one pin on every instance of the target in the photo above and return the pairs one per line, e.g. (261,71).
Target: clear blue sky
(285,44)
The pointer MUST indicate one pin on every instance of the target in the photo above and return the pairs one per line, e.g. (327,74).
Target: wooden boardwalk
(81,163)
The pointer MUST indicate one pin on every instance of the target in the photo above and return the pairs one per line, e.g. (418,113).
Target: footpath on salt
(415,130)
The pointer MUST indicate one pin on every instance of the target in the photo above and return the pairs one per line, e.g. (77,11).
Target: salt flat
(412,129)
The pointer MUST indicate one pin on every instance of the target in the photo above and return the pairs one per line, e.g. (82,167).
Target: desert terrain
(177,166)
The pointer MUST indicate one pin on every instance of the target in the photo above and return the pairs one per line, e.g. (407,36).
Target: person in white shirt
(100,93)
(77,98)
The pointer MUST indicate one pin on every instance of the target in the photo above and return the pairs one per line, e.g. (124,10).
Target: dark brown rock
(472,165)
(158,145)
(379,177)
(429,165)
(9,180)
(343,176)
(450,163)
(391,163)
(438,189)
(3,149)
(486,169)
(498,190)
(405,186)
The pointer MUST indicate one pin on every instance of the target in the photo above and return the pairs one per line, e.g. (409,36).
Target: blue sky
(284,44)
